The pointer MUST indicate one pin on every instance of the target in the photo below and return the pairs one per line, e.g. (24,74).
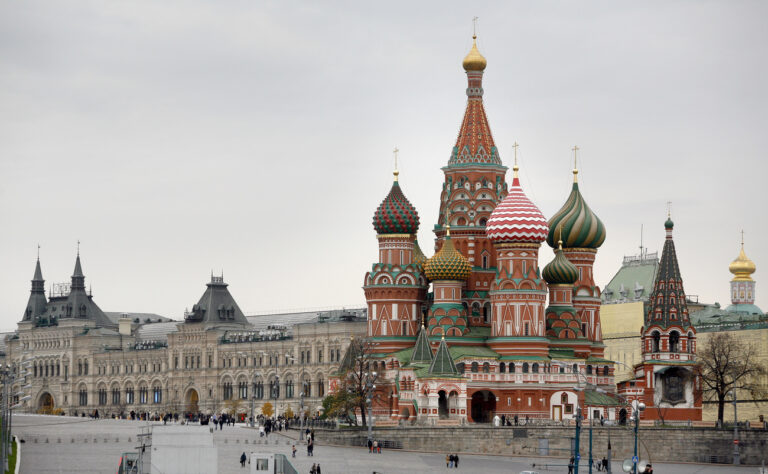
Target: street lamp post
(639,406)
(275,389)
(369,388)
(301,414)
(736,456)
(578,435)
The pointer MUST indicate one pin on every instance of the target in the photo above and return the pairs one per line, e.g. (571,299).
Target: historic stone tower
(742,285)
(474,184)
(670,375)
(395,288)
(582,233)
(518,293)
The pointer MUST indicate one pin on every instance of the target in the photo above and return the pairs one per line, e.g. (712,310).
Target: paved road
(79,445)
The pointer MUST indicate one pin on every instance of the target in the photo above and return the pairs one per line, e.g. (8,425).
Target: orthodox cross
(38,248)
(514,147)
(575,150)
(742,237)
(669,209)
(474,26)
(395,151)
(78,247)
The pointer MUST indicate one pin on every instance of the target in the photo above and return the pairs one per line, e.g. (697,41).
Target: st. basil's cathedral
(496,335)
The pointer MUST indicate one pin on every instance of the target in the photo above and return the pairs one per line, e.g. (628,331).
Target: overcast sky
(176,138)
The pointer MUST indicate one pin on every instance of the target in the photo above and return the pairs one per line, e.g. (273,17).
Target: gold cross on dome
(742,237)
(474,26)
(669,209)
(575,150)
(395,151)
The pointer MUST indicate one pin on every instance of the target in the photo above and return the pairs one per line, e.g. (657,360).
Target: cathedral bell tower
(474,185)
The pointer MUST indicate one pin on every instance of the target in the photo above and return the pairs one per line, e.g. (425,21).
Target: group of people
(315,469)
(374,446)
(452,460)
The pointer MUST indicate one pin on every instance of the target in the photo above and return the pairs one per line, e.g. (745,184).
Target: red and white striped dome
(517,219)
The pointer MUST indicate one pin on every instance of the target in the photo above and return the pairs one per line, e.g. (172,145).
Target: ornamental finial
(575,150)
(515,168)
(396,172)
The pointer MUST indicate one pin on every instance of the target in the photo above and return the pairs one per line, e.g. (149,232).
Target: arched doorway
(442,404)
(483,406)
(192,401)
(45,404)
(623,416)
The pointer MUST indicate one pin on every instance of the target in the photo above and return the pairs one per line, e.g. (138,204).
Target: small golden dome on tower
(742,267)
(474,61)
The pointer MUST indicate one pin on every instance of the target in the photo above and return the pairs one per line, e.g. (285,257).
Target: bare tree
(361,372)
(730,364)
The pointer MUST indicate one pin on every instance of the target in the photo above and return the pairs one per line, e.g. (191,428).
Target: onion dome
(418,256)
(448,263)
(668,224)
(742,268)
(396,215)
(560,271)
(577,225)
(516,218)
(474,61)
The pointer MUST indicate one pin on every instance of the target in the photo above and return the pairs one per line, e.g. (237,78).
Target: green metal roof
(443,362)
(593,398)
(457,352)
(519,357)
(421,350)
(635,279)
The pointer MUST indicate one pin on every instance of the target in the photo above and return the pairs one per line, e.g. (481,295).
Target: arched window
(460,367)
(511,367)
(502,366)
(486,367)
(674,341)
(575,368)
(606,370)
(656,341)
(525,367)
(535,368)
(690,342)
(474,367)
(564,398)
(589,370)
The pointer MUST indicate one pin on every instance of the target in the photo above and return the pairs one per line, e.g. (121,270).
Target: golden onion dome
(474,61)
(742,267)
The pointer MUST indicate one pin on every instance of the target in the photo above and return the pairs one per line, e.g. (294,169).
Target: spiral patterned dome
(447,264)
(396,215)
(576,224)
(560,271)
(516,218)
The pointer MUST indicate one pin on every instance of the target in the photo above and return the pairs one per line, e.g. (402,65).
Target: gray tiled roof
(157,331)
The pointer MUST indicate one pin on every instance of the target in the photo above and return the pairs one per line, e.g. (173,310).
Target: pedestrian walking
(318,469)
(313,469)
(648,469)
(447,460)
(605,464)
(293,451)
(243,457)
(515,420)
(571,465)
(456,461)
(370,446)
(450,460)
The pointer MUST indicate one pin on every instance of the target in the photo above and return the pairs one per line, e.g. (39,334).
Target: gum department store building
(82,359)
